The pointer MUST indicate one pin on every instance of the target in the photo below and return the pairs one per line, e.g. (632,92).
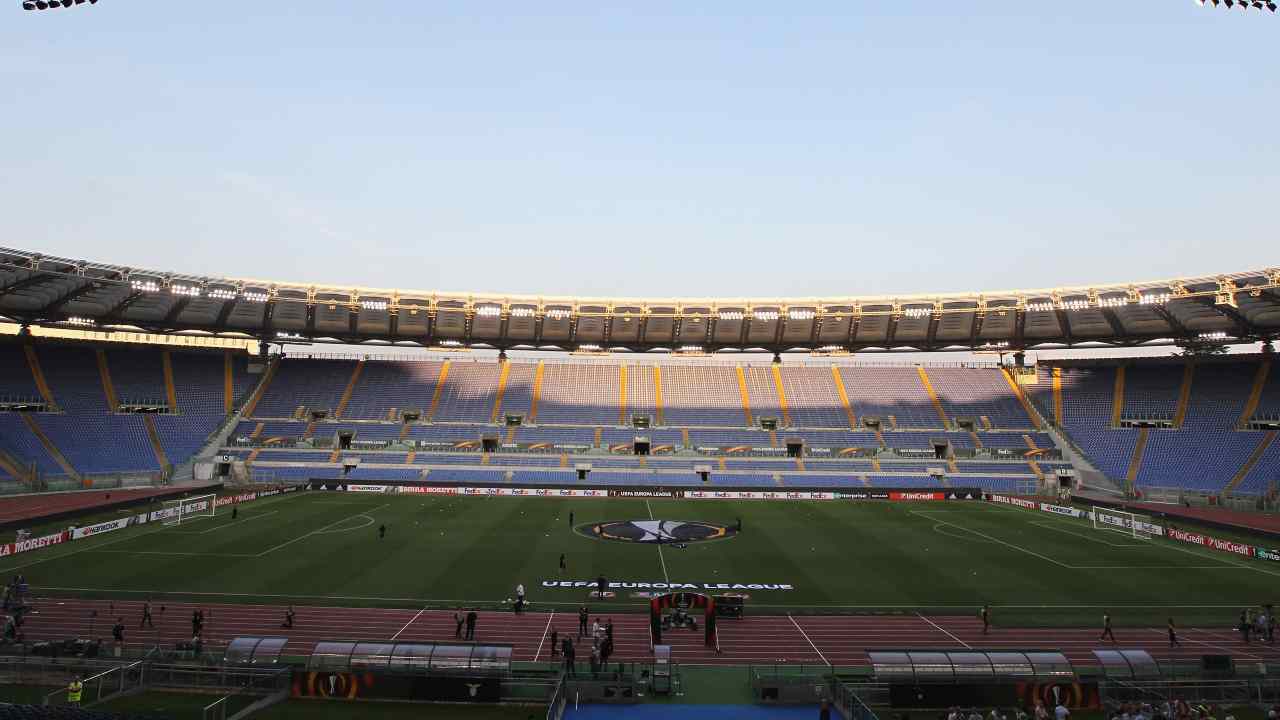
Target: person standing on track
(117,631)
(1173,635)
(458,619)
(471,625)
(555,642)
(1244,626)
(75,689)
(146,616)
(1107,633)
(582,621)
(985,614)
(288,618)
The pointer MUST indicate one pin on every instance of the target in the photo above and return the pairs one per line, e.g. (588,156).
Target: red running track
(759,639)
(34,507)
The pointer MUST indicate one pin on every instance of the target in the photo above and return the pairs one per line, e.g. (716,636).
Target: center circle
(656,532)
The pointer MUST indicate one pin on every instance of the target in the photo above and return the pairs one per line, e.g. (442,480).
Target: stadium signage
(1062,510)
(368,488)
(756,495)
(1211,542)
(659,585)
(13,548)
(102,527)
(1015,501)
(917,496)
(1265,554)
(233,499)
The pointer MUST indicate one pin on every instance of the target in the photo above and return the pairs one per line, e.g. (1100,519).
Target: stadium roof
(37,289)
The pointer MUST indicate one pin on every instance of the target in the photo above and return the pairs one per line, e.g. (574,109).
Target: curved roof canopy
(43,290)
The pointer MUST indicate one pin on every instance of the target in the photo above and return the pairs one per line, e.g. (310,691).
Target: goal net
(1132,524)
(177,512)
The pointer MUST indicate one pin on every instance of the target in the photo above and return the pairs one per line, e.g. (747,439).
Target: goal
(1122,521)
(177,512)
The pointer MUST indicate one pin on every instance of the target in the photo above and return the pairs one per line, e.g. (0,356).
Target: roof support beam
(68,297)
(223,313)
(35,278)
(178,307)
(932,332)
(1064,325)
(1113,320)
(1243,328)
(975,328)
(116,313)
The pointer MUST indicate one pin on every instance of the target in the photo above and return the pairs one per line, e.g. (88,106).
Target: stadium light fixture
(558,314)
(373,304)
(1039,307)
(764,315)
(916,312)
(185,290)
(689,349)
(80,321)
(450,343)
(1212,336)
(258,297)
(589,347)
(801,314)
(522,312)
(222,294)
(146,286)
(53,4)
(1077,304)
(1113,301)
(731,315)
(1154,299)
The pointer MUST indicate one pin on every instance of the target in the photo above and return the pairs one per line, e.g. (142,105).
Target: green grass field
(322,548)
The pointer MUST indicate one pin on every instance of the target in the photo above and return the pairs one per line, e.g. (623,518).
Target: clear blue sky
(648,149)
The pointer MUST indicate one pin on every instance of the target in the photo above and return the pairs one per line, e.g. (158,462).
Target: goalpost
(187,509)
(1132,524)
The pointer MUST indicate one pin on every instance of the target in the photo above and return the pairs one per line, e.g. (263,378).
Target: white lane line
(665,578)
(806,639)
(966,645)
(545,631)
(287,543)
(406,625)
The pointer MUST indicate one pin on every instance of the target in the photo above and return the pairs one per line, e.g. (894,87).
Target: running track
(839,640)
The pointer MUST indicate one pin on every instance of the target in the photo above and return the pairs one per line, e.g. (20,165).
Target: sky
(654,149)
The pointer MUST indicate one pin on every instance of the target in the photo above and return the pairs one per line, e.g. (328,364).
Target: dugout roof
(945,666)
(39,289)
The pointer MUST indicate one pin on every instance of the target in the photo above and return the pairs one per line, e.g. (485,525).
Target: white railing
(104,685)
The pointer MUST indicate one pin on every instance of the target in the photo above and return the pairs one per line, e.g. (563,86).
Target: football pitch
(323,548)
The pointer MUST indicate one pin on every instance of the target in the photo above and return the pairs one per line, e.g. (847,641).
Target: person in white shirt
(1061,712)
(520,592)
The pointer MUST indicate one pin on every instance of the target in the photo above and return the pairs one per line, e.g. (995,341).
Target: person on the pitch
(562,563)
(985,614)
(146,616)
(1107,632)
(739,524)
(235,512)
(570,519)
(582,621)
(288,618)
(1173,635)
(382,531)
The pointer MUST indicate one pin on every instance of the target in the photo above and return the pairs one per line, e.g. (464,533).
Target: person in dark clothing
(739,524)
(1245,626)
(146,616)
(570,519)
(601,585)
(608,630)
(235,512)
(1107,632)
(288,618)
(986,619)
(582,621)
(382,531)
(555,642)
(471,625)
(1173,635)
(824,712)
(117,631)
(569,658)
(561,563)
(458,619)
(197,623)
